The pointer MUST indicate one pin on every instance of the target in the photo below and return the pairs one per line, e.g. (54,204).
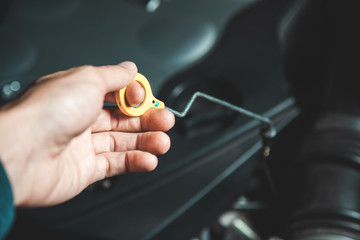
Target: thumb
(118,76)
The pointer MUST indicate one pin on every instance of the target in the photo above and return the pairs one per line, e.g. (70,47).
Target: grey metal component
(237,226)
(241,225)
(270,131)
(243,203)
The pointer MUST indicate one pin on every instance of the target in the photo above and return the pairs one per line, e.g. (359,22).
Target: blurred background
(294,61)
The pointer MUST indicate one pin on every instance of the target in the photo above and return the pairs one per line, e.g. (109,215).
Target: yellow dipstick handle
(149,101)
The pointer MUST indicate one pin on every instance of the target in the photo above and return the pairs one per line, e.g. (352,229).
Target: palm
(78,162)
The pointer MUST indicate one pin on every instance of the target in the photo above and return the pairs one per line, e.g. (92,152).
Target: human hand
(57,138)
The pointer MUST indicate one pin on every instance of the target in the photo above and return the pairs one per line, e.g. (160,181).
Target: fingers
(117,76)
(111,119)
(110,97)
(161,119)
(110,78)
(134,94)
(111,164)
(153,142)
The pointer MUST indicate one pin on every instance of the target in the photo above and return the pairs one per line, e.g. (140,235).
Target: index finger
(118,76)
(111,119)
(109,78)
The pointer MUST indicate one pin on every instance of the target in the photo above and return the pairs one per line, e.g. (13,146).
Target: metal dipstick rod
(268,131)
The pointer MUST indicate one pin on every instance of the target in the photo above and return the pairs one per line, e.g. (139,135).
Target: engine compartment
(291,61)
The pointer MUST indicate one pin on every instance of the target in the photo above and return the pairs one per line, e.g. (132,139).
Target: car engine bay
(294,62)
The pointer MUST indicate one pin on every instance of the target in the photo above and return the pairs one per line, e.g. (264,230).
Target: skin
(58,138)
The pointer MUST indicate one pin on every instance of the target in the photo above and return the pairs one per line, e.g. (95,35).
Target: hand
(57,138)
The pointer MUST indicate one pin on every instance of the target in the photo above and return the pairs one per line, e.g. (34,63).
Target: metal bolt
(227,218)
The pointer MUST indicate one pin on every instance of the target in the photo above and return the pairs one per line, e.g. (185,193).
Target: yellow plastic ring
(149,101)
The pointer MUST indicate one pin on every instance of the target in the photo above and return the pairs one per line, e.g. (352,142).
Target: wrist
(16,141)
